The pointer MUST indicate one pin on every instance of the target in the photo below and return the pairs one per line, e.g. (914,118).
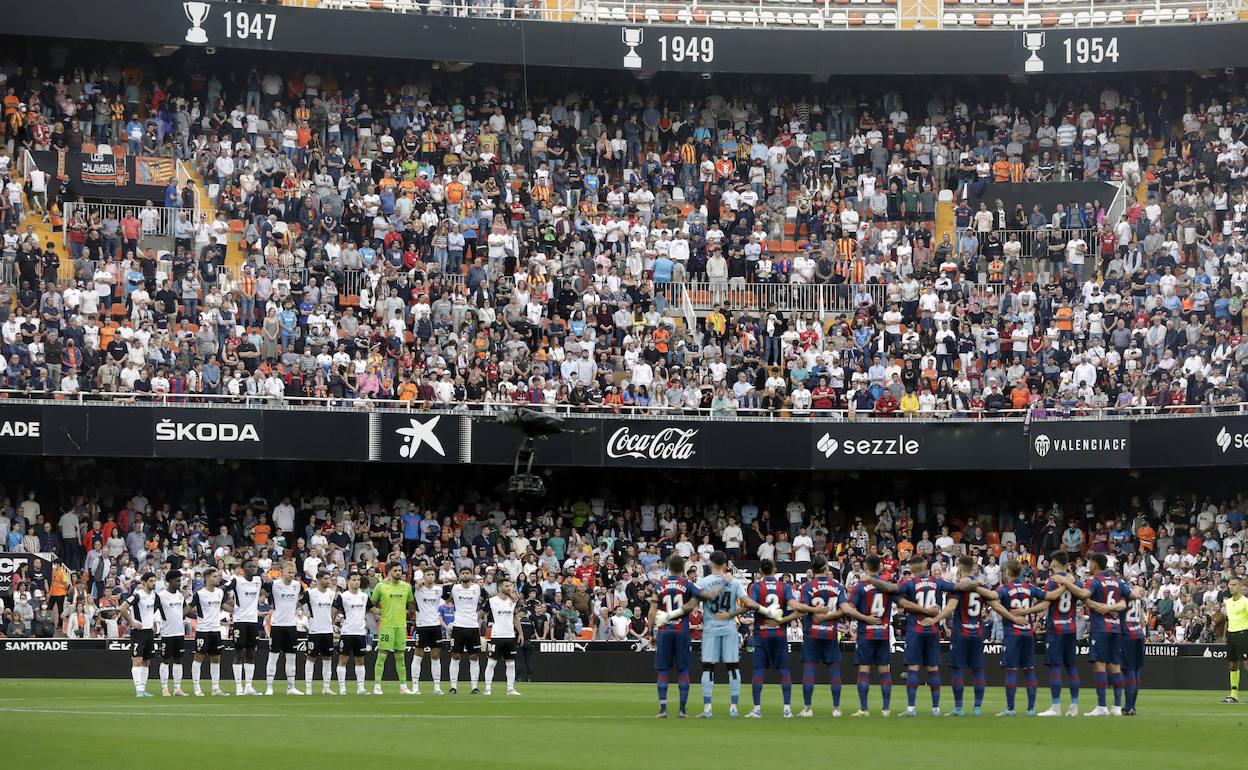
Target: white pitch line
(202,712)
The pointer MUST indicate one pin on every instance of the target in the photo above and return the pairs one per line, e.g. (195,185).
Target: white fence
(821,14)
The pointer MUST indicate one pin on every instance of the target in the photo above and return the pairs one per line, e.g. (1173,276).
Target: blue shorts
(965,652)
(825,651)
(1131,653)
(1103,648)
(873,652)
(771,652)
(1059,649)
(721,648)
(673,650)
(1020,652)
(922,650)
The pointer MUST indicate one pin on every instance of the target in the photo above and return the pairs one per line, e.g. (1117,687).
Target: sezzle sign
(872,447)
(664,444)
(168,430)
(1228,440)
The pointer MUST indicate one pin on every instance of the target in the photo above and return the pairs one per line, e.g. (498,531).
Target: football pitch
(63,723)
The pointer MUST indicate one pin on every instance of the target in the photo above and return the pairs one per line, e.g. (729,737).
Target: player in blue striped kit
(720,641)
(673,599)
(823,599)
(771,644)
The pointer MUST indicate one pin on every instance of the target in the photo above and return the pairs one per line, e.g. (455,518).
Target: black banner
(1167,666)
(638,47)
(102,176)
(89,429)
(10,563)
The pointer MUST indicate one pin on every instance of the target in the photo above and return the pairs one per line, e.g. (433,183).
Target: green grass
(59,723)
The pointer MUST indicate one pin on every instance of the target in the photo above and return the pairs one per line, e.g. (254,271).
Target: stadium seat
(734,17)
(1115,17)
(750,18)
(618,15)
(1099,18)
(871,20)
(1181,15)
(855,19)
(717,16)
(1000,20)
(1067,19)
(668,15)
(1198,15)
(784,19)
(1165,15)
(1083,18)
(949,20)
(767,18)
(888,19)
(983,19)
(651,15)
(967,19)
(1149,16)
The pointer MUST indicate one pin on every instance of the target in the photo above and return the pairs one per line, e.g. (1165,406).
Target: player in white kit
(428,631)
(206,604)
(505,636)
(244,593)
(465,628)
(139,610)
(351,608)
(170,604)
(320,603)
(283,639)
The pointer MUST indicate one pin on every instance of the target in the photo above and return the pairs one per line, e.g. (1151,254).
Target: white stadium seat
(872,20)
(950,20)
(784,19)
(1149,16)
(967,19)
(1116,17)
(889,19)
(1083,18)
(1067,19)
(718,17)
(1099,18)
(1000,20)
(652,15)
(1165,15)
(767,18)
(840,19)
(750,18)
(734,18)
(1181,15)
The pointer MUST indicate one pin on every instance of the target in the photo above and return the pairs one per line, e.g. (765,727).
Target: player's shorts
(922,650)
(1103,648)
(465,640)
(1019,652)
(721,648)
(672,650)
(283,639)
(246,636)
(771,652)
(825,651)
(392,639)
(351,646)
(965,652)
(1237,645)
(321,645)
(873,652)
(1131,653)
(428,638)
(1059,649)
(142,643)
(208,643)
(172,648)
(503,649)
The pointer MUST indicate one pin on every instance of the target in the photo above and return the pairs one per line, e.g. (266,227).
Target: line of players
(1115,619)
(158,615)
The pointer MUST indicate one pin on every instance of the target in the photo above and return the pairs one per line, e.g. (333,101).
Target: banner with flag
(104,169)
(157,172)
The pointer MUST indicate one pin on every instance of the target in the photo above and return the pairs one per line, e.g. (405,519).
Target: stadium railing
(824,14)
(590,410)
(801,298)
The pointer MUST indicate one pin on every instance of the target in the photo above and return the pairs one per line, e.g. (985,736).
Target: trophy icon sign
(1033,41)
(632,38)
(196,12)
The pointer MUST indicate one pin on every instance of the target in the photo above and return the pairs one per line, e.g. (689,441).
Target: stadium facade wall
(1167,666)
(87,429)
(602,46)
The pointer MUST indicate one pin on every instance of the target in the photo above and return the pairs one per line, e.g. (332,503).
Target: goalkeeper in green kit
(391,600)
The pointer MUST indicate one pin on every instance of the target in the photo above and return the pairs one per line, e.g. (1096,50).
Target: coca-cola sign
(658,444)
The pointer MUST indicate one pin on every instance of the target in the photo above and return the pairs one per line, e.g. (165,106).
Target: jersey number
(1064,604)
(973,605)
(673,603)
(926,599)
(877,605)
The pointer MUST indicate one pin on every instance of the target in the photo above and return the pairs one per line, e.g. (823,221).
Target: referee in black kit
(1235,615)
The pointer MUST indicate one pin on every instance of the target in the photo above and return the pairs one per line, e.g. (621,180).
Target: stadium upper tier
(825,14)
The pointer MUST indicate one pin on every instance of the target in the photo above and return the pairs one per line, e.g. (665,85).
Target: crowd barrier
(1166,666)
(144,430)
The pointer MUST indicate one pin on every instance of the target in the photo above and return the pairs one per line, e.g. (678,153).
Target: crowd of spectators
(588,559)
(460,240)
